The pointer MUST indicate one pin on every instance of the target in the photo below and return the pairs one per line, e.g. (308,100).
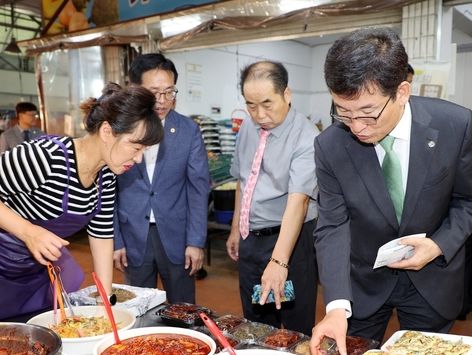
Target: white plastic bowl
(130,333)
(84,346)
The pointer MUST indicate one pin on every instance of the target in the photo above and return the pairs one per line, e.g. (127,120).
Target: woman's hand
(44,245)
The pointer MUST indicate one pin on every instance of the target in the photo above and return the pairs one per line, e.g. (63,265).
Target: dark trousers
(179,286)
(467,306)
(254,254)
(414,313)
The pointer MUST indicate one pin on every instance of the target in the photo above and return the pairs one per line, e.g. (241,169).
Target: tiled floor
(219,290)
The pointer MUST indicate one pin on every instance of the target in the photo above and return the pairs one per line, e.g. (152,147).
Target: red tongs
(107,305)
(217,333)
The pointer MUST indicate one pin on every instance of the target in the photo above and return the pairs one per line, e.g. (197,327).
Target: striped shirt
(33,181)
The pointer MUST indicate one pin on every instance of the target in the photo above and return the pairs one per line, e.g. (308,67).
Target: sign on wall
(82,14)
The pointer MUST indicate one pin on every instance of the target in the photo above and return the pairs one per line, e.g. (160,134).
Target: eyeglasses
(368,120)
(32,113)
(169,94)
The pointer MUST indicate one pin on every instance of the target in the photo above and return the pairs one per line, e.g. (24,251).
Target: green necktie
(392,172)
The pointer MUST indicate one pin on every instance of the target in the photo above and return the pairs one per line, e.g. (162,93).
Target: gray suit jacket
(14,136)
(177,194)
(356,215)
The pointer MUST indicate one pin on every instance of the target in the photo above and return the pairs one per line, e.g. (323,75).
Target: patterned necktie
(251,184)
(392,172)
(26,135)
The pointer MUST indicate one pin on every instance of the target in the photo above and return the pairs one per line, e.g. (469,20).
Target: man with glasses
(26,128)
(162,202)
(394,165)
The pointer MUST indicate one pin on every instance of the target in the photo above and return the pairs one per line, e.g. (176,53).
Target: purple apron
(24,283)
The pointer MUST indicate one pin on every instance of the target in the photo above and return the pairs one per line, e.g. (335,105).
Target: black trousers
(254,254)
(179,286)
(414,313)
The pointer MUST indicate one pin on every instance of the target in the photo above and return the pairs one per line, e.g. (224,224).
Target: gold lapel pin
(431,144)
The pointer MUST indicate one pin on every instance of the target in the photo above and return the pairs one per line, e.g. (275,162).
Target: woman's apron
(24,283)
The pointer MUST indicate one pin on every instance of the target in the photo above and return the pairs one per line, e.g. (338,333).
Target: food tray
(184,315)
(281,339)
(355,345)
(146,298)
(232,340)
(229,321)
(250,332)
(434,336)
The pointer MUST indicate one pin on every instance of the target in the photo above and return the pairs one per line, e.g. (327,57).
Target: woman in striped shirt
(52,187)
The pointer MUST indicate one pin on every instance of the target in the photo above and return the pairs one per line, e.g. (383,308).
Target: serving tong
(59,293)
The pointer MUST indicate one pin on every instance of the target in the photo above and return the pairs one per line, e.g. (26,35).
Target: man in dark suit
(162,203)
(428,189)
(24,130)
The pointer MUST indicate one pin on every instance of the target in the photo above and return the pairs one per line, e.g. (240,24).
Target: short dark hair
(151,61)
(366,57)
(124,109)
(25,107)
(273,71)
(410,70)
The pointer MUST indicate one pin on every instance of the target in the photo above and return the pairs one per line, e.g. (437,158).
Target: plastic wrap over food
(137,299)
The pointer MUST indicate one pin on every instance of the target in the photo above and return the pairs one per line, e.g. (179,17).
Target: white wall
(220,69)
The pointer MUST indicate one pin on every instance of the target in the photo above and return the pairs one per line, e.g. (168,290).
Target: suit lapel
(142,170)
(170,134)
(423,141)
(365,160)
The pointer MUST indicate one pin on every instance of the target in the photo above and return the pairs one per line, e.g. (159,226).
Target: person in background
(274,215)
(393,165)
(25,130)
(162,205)
(410,74)
(52,187)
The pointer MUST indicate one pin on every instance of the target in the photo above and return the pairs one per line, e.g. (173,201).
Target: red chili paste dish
(159,344)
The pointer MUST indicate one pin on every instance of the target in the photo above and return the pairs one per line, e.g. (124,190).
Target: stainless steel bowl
(23,336)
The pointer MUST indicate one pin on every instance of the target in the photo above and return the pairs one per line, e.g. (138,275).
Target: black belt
(265,232)
(152,224)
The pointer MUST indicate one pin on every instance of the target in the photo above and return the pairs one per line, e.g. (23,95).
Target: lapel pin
(172,130)
(431,144)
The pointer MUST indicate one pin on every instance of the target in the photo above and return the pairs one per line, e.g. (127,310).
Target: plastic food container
(355,345)
(235,343)
(281,339)
(229,321)
(251,331)
(302,347)
(183,315)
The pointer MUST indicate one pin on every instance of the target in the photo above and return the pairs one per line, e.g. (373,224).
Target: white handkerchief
(393,251)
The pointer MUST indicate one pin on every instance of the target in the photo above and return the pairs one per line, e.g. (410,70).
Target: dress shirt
(150,159)
(287,166)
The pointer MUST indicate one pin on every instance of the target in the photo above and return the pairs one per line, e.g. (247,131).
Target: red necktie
(251,184)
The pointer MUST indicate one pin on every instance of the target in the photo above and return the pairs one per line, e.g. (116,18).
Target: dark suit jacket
(356,215)
(178,195)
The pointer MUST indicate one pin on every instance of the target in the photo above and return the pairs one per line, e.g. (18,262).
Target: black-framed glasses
(368,120)
(169,94)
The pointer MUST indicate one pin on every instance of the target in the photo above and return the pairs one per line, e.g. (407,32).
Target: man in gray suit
(162,203)
(370,195)
(25,130)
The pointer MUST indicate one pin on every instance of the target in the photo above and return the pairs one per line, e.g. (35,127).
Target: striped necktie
(392,172)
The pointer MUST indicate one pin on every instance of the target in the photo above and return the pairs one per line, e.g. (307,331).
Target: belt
(152,224)
(265,232)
